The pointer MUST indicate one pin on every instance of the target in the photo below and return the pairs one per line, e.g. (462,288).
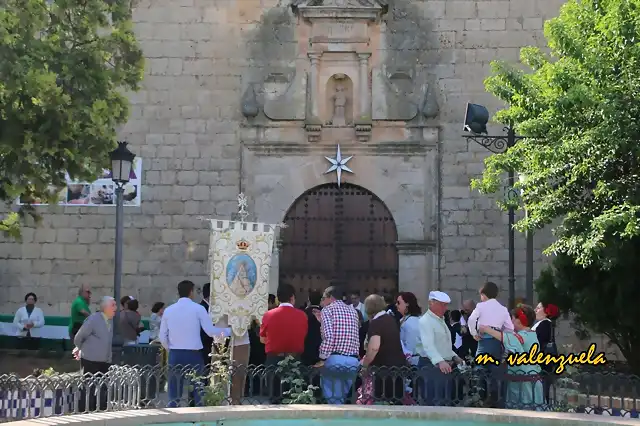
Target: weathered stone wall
(185,124)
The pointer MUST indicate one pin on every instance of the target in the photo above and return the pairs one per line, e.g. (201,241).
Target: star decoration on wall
(339,165)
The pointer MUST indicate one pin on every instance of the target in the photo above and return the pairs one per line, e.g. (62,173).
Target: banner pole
(231,346)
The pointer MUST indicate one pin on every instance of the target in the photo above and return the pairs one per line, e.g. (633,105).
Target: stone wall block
(460,9)
(52,251)
(172,236)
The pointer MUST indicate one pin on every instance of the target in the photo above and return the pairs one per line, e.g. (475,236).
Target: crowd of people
(334,332)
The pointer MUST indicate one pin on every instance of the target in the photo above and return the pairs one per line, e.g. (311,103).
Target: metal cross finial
(242,207)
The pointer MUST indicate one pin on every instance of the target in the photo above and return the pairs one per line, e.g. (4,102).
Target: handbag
(551,348)
(365,391)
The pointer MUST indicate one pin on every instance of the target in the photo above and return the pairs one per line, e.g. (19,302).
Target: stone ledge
(253,412)
(392,149)
(409,247)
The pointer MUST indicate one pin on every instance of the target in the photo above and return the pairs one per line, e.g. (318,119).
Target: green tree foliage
(65,66)
(600,300)
(579,104)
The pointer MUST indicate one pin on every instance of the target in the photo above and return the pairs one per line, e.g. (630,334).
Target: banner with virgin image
(239,262)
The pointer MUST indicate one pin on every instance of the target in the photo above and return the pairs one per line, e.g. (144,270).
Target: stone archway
(344,233)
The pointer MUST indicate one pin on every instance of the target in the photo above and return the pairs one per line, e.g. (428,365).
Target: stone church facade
(251,96)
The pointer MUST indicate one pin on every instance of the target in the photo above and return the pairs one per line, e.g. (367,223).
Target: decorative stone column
(414,264)
(365,97)
(363,121)
(314,57)
(312,124)
(274,271)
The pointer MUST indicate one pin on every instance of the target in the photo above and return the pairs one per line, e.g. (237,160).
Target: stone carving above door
(284,92)
(397,95)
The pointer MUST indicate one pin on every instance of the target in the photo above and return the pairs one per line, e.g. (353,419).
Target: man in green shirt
(79,310)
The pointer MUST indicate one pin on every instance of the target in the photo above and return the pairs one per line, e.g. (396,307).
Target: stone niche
(338,101)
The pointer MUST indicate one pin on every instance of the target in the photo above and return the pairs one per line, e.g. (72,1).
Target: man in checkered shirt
(340,346)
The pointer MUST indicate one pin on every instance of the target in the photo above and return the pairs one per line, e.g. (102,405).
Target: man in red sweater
(283,332)
(284,328)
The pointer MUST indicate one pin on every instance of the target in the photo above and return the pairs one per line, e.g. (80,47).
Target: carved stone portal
(339,64)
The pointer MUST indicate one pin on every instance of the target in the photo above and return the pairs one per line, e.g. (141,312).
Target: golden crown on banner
(242,245)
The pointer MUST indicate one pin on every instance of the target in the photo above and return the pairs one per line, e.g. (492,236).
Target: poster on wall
(100,192)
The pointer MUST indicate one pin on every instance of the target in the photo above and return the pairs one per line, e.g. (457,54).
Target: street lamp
(121,165)
(529,253)
(475,122)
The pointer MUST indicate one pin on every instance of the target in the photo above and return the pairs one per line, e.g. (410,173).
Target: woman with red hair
(524,387)
(546,314)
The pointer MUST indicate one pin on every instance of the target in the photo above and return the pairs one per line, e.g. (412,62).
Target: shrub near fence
(138,387)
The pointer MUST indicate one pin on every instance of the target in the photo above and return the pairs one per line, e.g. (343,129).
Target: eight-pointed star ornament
(338,165)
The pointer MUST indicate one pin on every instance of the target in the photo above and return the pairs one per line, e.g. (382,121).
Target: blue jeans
(494,388)
(490,345)
(177,377)
(434,387)
(338,376)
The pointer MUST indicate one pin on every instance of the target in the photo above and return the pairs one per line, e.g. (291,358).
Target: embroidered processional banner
(239,262)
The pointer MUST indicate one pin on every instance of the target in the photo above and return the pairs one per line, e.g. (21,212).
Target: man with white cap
(436,354)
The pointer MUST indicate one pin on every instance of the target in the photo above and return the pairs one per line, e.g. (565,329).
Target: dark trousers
(95,388)
(190,361)
(274,384)
(74,330)
(547,381)
(494,388)
(434,387)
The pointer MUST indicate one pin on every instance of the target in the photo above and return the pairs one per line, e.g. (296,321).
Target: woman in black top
(544,327)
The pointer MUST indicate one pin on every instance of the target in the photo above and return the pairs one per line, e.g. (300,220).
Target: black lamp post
(475,121)
(121,165)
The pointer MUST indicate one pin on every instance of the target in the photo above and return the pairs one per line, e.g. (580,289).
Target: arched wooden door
(344,233)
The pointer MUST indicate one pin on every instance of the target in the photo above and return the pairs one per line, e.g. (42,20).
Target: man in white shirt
(180,336)
(436,352)
(356,303)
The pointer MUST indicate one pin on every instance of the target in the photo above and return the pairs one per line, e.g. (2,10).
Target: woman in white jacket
(28,321)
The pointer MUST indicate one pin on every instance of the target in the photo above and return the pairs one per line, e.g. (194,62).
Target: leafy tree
(578,104)
(64,68)
(600,300)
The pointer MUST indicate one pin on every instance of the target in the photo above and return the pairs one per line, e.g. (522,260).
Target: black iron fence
(156,386)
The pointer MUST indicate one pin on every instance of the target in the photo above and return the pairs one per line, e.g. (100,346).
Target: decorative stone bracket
(313,127)
(363,130)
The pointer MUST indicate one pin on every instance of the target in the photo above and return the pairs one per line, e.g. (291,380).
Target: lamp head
(476,119)
(121,163)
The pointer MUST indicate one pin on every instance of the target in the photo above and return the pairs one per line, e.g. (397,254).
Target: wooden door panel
(342,233)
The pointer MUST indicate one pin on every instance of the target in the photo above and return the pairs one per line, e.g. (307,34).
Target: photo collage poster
(100,192)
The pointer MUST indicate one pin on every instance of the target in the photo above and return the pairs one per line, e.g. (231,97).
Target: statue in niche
(340,100)
(339,105)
